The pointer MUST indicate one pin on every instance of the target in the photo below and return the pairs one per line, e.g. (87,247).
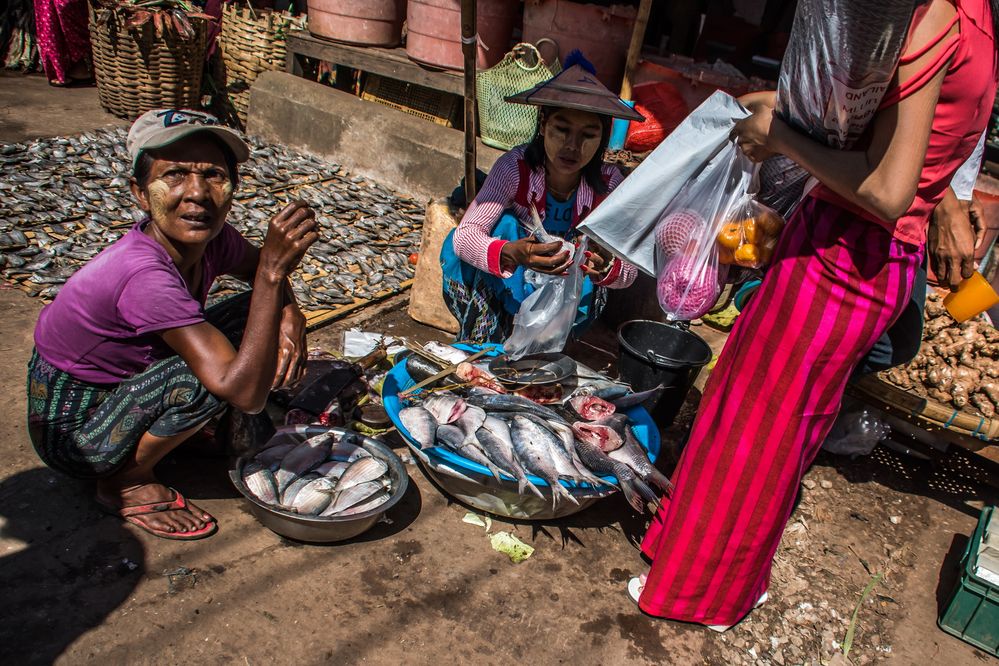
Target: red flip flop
(133,514)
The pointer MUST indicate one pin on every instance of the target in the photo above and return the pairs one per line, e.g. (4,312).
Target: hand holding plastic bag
(545,318)
(689,272)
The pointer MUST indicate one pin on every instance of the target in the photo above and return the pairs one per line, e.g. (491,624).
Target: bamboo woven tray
(926,413)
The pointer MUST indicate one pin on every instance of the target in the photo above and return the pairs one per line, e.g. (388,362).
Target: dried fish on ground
(67,198)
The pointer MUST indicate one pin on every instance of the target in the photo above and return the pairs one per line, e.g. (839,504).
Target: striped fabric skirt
(89,431)
(837,283)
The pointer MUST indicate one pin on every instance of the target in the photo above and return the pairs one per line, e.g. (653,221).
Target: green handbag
(501,124)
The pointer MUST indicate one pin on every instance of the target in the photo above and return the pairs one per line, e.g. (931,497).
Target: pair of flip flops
(134,515)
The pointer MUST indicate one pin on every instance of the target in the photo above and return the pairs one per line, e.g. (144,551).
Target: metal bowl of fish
(319,484)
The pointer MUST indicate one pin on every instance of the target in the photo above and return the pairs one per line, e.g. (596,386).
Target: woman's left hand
(598,262)
(291,347)
(752,134)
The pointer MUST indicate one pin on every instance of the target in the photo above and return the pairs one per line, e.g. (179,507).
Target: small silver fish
(314,497)
(259,481)
(357,494)
(361,471)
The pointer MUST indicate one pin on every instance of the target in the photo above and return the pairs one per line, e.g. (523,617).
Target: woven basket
(501,124)
(926,413)
(137,71)
(252,41)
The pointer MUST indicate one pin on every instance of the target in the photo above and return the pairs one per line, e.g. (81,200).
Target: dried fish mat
(64,199)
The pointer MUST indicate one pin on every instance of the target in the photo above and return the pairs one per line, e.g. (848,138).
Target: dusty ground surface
(79,586)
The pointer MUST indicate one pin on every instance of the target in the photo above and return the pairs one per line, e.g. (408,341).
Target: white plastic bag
(626,220)
(689,274)
(546,316)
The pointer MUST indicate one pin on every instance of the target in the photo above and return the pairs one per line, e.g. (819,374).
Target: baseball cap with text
(161,127)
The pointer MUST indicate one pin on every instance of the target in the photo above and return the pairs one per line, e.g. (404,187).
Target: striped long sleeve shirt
(513,184)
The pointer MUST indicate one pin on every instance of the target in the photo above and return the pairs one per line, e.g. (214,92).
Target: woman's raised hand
(541,257)
(289,235)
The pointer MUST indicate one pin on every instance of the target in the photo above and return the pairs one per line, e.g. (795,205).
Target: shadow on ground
(71,569)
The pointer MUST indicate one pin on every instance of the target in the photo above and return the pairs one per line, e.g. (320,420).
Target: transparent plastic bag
(836,69)
(546,316)
(857,430)
(749,235)
(689,273)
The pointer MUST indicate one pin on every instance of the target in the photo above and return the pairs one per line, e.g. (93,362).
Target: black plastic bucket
(653,354)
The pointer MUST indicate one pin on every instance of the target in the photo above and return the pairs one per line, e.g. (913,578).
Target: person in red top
(843,271)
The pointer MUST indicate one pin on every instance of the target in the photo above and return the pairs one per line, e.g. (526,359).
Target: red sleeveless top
(962,114)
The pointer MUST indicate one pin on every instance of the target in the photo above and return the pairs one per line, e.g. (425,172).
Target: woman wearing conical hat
(560,175)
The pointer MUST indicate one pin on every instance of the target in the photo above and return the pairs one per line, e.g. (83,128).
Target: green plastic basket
(972,614)
(501,124)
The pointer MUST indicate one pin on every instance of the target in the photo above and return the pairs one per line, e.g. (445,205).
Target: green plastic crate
(972,614)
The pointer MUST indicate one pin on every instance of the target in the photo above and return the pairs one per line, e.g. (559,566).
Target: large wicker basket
(137,71)
(253,41)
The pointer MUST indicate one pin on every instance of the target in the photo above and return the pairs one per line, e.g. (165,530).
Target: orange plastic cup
(973,296)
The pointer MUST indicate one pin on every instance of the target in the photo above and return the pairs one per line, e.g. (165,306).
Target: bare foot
(179,520)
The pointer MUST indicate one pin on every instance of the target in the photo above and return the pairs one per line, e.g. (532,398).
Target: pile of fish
(64,199)
(326,475)
(581,440)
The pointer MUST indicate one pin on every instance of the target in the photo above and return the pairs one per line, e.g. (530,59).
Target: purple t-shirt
(102,327)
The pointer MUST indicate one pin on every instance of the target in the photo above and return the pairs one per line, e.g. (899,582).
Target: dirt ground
(79,586)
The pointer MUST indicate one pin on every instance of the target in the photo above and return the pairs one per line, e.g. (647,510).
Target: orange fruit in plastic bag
(752,232)
(730,235)
(748,255)
(725,255)
(770,222)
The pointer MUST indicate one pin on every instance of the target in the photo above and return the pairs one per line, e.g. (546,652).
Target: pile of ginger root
(957,364)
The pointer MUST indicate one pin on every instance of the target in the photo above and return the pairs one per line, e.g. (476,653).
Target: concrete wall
(408,154)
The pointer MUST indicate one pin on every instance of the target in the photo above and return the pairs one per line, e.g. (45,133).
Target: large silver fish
(420,424)
(633,455)
(274,454)
(289,493)
(445,407)
(302,458)
(372,502)
(529,443)
(494,436)
(360,471)
(259,481)
(636,492)
(314,497)
(455,439)
(356,494)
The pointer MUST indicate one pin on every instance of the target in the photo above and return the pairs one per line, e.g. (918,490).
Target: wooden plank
(316,318)
(391,63)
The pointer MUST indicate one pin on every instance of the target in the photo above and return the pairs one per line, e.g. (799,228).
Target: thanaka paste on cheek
(158,193)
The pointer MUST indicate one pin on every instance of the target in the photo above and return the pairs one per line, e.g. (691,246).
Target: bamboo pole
(469,47)
(635,48)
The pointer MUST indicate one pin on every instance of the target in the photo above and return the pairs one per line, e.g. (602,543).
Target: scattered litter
(180,579)
(809,484)
(358,343)
(826,484)
(508,544)
(895,520)
(475,519)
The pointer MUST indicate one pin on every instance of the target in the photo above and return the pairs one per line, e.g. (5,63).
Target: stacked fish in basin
(327,475)
(581,439)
